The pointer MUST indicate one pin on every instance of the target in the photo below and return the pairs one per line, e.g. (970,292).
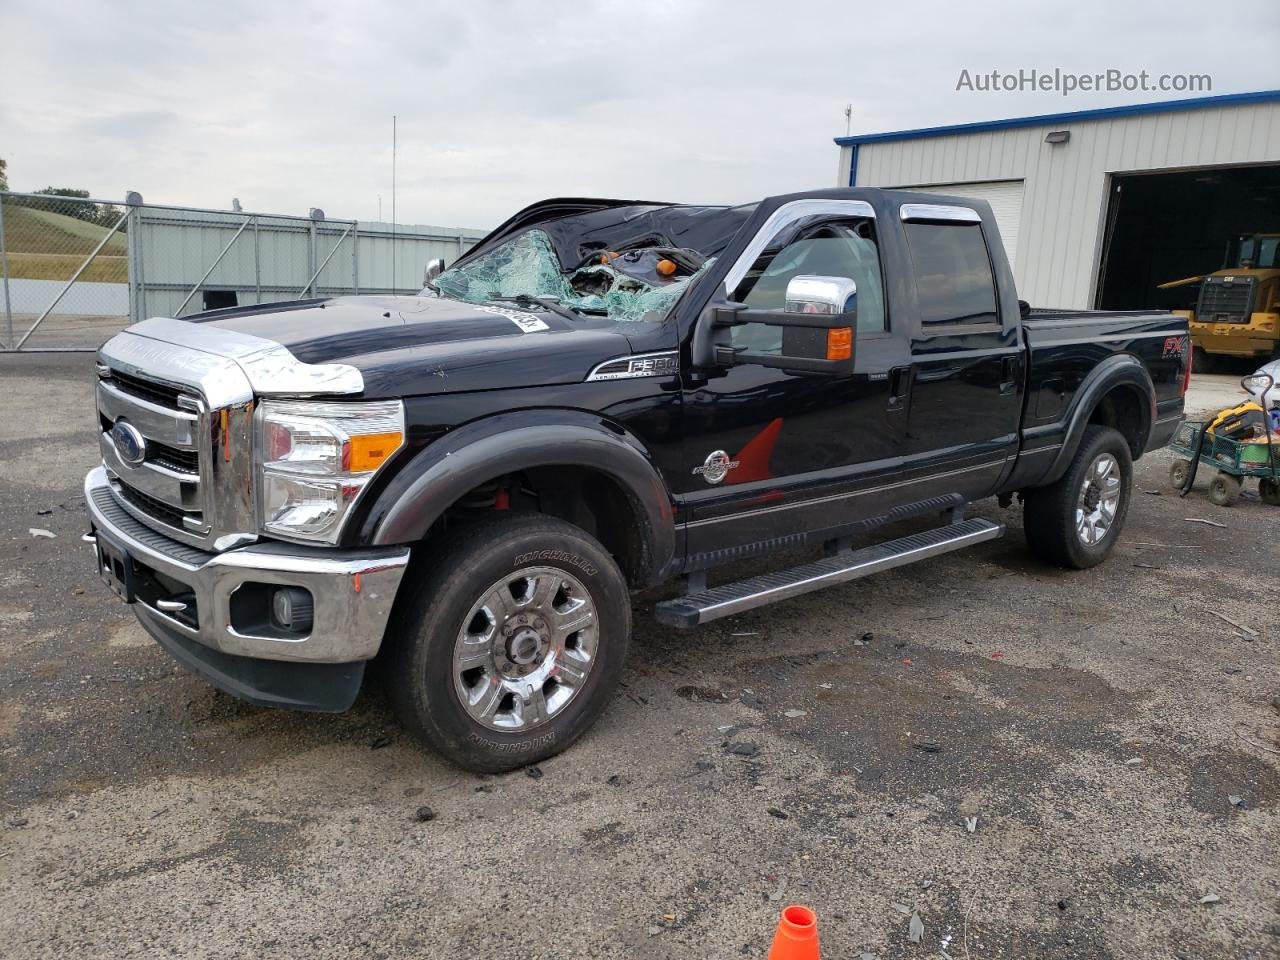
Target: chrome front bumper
(353,590)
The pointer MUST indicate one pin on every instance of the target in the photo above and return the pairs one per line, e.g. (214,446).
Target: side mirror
(823,295)
(818,321)
(433,269)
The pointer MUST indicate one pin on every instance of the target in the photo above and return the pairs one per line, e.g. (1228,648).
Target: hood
(409,346)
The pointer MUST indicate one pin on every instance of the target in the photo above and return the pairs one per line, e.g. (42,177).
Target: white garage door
(1005,197)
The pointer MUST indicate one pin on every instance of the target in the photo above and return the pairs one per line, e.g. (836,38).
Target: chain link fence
(75,271)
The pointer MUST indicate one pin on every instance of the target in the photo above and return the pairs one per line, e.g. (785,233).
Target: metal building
(1098,207)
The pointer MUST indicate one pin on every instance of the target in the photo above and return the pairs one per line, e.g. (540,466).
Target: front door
(771,454)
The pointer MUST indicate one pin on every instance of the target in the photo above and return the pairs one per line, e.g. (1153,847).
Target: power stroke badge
(716,467)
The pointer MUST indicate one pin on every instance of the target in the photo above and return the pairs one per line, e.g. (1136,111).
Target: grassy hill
(43,245)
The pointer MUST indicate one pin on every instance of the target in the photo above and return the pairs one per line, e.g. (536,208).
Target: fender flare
(479,451)
(1122,370)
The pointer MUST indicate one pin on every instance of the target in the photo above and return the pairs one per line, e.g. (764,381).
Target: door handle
(899,387)
(1008,384)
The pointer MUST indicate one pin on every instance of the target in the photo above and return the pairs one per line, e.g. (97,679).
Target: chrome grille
(167,486)
(161,394)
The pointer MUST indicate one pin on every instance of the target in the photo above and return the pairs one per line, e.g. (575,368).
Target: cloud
(498,104)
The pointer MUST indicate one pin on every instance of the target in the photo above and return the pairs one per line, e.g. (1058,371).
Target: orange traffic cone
(797,936)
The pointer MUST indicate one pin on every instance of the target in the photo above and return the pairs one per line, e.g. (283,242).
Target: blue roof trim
(1165,106)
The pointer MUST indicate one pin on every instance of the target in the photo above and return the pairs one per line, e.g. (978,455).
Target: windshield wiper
(553,306)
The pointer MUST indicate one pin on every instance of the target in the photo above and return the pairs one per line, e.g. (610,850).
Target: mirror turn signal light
(839,343)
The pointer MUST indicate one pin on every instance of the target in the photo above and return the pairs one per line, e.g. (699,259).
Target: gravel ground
(1038,763)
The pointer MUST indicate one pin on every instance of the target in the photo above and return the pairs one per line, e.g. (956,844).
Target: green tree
(104,214)
(4,174)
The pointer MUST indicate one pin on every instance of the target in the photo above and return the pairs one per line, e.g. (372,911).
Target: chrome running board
(713,603)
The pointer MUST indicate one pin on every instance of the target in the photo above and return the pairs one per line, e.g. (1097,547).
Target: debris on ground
(863,640)
(971,824)
(745,633)
(826,686)
(44,511)
(39,532)
(704,765)
(1133,761)
(1210,898)
(654,930)
(424,814)
(902,908)
(1235,800)
(795,714)
(775,812)
(743,748)
(928,746)
(915,928)
(1211,523)
(379,742)
(533,773)
(776,894)
(614,780)
(1252,633)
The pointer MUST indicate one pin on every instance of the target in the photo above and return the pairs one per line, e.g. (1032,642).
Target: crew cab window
(954,280)
(845,248)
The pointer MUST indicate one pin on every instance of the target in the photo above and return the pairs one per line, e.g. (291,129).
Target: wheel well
(1124,410)
(585,497)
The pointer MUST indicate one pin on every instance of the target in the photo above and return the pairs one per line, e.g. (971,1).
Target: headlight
(314,459)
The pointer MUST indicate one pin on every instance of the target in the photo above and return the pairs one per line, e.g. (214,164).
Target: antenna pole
(393,204)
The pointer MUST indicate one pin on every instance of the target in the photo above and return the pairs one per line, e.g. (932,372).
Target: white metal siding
(1064,198)
(1005,197)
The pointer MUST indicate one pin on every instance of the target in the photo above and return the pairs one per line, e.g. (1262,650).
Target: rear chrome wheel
(1074,521)
(1099,499)
(525,649)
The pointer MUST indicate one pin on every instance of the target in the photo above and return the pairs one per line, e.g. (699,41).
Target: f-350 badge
(716,467)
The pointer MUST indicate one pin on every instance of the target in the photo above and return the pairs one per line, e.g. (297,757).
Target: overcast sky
(288,105)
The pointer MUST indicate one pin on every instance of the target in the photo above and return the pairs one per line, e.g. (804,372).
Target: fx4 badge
(1173,347)
(716,467)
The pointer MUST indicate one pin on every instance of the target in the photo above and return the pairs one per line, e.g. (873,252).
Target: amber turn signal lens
(839,343)
(666,267)
(368,451)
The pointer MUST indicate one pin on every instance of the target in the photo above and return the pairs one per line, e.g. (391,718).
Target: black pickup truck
(601,396)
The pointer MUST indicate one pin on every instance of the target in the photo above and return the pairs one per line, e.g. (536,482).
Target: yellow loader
(1238,310)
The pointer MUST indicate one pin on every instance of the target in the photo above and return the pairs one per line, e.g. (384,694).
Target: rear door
(966,355)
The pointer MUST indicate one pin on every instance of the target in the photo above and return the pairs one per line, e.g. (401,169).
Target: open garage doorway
(1165,226)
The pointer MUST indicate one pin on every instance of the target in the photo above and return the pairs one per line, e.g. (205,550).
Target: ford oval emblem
(129,443)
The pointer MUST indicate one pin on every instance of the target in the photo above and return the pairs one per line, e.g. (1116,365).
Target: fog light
(291,609)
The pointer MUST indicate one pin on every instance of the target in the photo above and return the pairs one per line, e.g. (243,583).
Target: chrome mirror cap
(432,270)
(823,295)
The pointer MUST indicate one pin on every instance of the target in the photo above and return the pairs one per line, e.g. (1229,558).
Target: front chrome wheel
(525,649)
(1099,499)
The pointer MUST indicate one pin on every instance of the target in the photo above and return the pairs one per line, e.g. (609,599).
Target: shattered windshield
(637,284)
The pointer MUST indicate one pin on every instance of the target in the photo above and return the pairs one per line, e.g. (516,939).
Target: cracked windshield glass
(637,284)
